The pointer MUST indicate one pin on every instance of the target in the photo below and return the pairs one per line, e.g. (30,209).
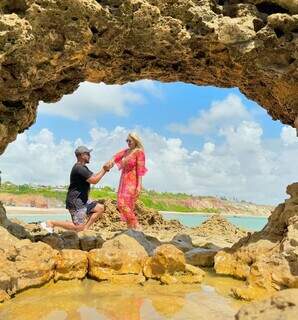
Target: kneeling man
(83,211)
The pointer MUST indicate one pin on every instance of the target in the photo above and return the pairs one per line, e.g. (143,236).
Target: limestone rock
(7,244)
(126,279)
(90,240)
(149,243)
(148,218)
(70,239)
(8,277)
(4,296)
(120,255)
(48,48)
(282,305)
(201,257)
(268,258)
(3,218)
(34,263)
(220,227)
(191,275)
(53,240)
(182,242)
(167,259)
(71,264)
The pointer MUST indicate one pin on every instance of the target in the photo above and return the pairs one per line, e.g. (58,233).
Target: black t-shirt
(79,188)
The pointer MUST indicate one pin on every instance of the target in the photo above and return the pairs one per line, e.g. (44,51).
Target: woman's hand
(138,190)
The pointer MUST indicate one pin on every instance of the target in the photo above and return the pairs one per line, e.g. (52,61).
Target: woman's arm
(116,159)
(139,186)
(141,170)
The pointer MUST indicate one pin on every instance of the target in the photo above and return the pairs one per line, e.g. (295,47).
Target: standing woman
(131,162)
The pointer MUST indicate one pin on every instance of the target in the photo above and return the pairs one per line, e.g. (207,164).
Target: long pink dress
(133,167)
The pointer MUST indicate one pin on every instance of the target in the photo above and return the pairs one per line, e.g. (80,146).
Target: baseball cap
(82,149)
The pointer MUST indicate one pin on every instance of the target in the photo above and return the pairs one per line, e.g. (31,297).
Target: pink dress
(133,167)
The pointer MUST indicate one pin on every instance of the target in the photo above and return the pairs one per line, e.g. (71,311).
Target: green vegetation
(162,201)
(26,189)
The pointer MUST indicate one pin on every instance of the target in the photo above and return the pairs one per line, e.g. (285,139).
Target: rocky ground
(269,258)
(165,251)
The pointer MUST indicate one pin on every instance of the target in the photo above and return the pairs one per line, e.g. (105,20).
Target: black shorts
(80,216)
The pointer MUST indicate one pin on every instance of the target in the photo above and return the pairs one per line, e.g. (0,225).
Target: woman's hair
(137,140)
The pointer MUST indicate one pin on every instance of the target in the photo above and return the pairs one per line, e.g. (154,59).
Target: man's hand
(108,166)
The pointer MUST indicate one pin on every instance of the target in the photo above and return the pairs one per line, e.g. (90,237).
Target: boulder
(149,243)
(126,279)
(218,227)
(53,240)
(35,264)
(167,259)
(7,244)
(3,296)
(183,242)
(201,257)
(269,258)
(89,240)
(70,239)
(3,217)
(120,255)
(8,277)
(282,305)
(148,218)
(71,264)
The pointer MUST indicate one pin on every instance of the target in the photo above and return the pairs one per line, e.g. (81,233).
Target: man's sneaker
(46,227)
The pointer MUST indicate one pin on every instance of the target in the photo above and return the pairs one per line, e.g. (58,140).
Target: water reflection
(90,300)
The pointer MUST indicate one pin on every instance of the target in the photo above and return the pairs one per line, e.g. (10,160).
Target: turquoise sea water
(247,223)
(190,220)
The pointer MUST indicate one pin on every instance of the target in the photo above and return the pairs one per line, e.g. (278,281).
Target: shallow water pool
(90,300)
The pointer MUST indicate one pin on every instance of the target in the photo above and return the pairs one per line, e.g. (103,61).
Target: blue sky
(199,140)
(172,102)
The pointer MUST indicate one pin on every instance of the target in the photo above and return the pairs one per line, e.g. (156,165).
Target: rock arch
(49,46)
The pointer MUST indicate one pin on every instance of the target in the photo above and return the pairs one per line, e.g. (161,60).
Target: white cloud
(242,165)
(224,113)
(92,100)
(288,135)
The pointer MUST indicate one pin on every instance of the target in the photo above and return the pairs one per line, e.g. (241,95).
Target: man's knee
(99,208)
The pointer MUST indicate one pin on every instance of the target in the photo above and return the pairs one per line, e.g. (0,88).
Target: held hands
(108,165)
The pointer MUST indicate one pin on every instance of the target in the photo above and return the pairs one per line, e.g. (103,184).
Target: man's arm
(96,177)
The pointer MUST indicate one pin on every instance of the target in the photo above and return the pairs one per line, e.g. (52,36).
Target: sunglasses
(128,140)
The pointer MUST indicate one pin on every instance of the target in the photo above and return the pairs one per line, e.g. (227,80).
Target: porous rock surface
(269,258)
(47,47)
(30,257)
(282,305)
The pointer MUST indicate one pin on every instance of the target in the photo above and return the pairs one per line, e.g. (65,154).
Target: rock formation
(267,259)
(216,232)
(148,218)
(282,305)
(48,47)
(30,257)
